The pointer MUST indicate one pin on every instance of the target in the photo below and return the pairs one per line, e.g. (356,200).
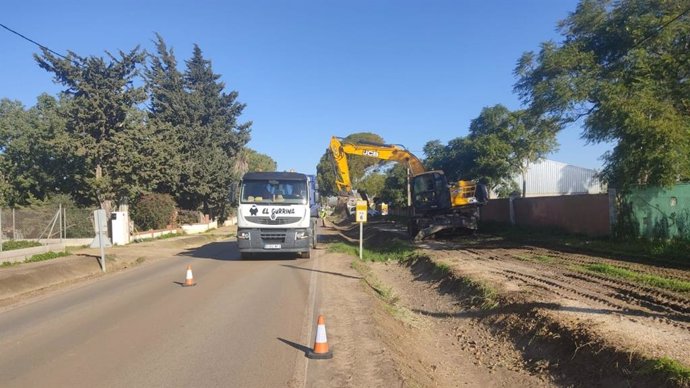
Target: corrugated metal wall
(548,177)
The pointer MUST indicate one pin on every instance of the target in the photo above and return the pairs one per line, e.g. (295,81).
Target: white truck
(276,213)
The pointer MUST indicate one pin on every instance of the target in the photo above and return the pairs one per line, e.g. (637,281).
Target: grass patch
(674,371)
(536,258)
(19,244)
(544,259)
(483,296)
(161,237)
(638,277)
(671,251)
(45,256)
(442,268)
(395,250)
(385,293)
(140,260)
(6,264)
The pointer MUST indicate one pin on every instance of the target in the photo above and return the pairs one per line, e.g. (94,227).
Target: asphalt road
(245,324)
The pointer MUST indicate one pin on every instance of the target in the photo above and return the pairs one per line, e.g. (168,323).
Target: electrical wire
(661,28)
(34,42)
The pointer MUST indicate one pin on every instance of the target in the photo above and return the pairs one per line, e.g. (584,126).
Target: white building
(548,177)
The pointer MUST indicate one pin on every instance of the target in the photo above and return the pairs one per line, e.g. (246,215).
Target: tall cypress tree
(204,120)
(213,139)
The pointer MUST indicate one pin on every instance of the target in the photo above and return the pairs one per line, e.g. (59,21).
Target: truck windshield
(274,191)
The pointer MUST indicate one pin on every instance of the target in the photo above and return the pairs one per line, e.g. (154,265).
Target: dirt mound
(571,352)
(579,326)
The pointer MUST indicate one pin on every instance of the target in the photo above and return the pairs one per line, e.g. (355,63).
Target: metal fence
(45,224)
(656,212)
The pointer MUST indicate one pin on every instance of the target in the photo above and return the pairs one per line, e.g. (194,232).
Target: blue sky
(410,71)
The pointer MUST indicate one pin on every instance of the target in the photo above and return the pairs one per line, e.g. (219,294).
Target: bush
(154,211)
(188,217)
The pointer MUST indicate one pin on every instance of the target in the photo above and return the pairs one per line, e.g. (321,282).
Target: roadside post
(361,217)
(101,228)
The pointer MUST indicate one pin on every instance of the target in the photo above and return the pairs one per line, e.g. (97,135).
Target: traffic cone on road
(320,350)
(189,279)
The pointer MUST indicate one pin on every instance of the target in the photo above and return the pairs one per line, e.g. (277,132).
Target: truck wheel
(412,229)
(246,255)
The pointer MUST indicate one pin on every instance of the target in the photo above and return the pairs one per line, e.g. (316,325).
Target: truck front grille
(273,236)
(277,221)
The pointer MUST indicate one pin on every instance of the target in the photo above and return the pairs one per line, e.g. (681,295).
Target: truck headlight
(243,235)
(301,235)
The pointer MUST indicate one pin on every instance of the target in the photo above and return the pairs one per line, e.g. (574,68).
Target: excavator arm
(343,179)
(391,152)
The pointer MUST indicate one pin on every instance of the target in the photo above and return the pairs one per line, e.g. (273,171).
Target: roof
(286,176)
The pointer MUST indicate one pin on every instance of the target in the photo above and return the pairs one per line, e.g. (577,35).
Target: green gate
(657,213)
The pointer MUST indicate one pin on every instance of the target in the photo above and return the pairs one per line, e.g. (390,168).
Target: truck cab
(275,213)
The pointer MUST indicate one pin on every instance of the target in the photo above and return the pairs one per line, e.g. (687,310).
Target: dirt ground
(552,323)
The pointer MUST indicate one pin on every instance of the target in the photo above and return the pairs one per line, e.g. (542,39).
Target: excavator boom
(340,148)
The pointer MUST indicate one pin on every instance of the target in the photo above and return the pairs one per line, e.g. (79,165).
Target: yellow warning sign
(361,211)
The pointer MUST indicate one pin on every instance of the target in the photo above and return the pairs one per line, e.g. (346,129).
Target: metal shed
(549,177)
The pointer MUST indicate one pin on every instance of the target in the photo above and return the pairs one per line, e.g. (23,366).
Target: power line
(34,42)
(660,28)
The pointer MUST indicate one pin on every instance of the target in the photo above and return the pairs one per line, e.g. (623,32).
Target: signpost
(361,217)
(101,228)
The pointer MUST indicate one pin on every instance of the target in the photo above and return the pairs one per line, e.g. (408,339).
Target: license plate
(272,246)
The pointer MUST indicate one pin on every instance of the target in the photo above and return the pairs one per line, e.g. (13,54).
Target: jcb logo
(371,153)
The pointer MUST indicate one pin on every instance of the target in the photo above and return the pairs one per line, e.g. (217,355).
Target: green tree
(168,100)
(373,183)
(257,161)
(193,113)
(394,190)
(622,69)
(358,165)
(211,139)
(326,175)
(501,144)
(104,98)
(35,151)
(504,143)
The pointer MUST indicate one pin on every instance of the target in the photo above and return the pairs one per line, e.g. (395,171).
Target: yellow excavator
(435,205)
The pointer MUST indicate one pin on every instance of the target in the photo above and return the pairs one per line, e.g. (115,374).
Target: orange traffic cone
(189,280)
(320,350)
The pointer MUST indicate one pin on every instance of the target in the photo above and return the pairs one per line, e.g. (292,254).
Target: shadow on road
(228,251)
(326,272)
(297,346)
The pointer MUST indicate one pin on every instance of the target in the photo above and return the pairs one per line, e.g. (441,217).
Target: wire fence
(44,224)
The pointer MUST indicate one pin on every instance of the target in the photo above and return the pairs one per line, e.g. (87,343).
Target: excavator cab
(430,192)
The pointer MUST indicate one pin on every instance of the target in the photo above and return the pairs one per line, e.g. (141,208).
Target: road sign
(361,211)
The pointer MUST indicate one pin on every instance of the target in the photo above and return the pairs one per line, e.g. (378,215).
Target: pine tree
(103,101)
(203,120)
